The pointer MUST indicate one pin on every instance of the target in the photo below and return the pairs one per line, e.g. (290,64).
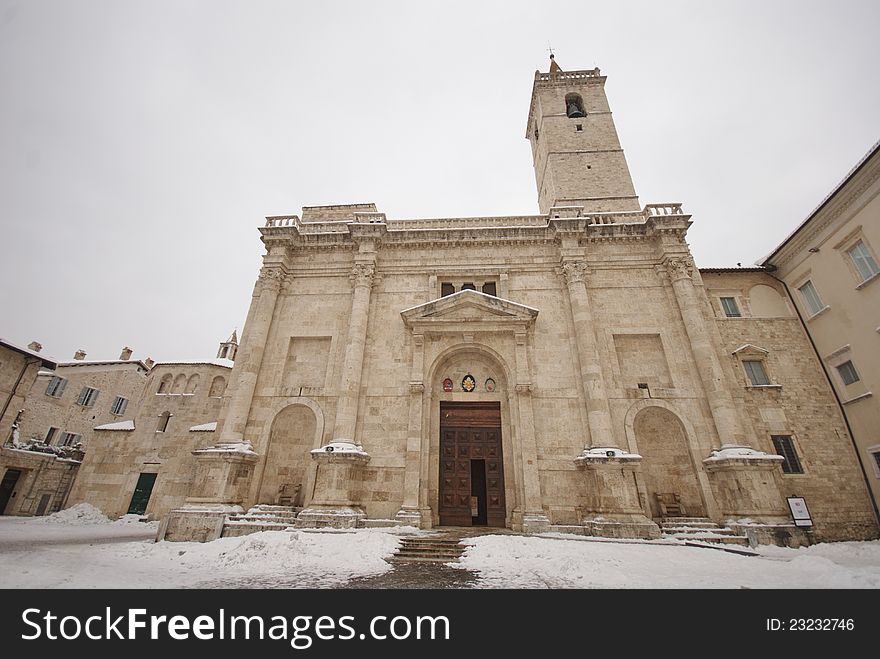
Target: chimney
(126,354)
(149,362)
(35,346)
(79,355)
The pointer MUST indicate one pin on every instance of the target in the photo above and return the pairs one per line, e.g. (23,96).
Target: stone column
(250,353)
(533,519)
(598,412)
(336,501)
(709,366)
(410,513)
(352,365)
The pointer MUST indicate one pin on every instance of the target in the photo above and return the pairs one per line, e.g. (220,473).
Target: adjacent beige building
(571,370)
(143,463)
(64,405)
(34,480)
(830,266)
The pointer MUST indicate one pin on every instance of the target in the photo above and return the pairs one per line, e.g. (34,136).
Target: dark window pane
(785,447)
(489,288)
(446,289)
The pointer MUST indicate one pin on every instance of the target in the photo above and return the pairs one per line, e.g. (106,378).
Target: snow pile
(78,515)
(579,562)
(342,448)
(729,452)
(274,558)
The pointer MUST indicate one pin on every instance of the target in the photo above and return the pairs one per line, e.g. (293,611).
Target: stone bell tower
(577,155)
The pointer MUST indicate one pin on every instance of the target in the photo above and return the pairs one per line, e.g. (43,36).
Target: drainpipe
(852,437)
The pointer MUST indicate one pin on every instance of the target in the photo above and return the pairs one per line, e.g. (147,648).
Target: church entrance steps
(428,549)
(702,529)
(262,517)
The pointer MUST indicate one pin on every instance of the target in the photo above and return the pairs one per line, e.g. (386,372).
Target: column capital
(271,278)
(679,267)
(363,274)
(575,271)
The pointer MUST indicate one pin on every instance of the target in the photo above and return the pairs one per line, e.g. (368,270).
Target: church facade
(571,370)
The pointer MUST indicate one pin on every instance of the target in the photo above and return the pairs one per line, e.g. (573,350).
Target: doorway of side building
(7,487)
(141,496)
(471,465)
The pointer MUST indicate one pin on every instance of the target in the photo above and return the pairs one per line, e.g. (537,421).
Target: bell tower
(577,155)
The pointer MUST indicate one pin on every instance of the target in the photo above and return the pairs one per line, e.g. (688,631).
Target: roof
(759,268)
(111,362)
(48,362)
(118,425)
(846,179)
(226,363)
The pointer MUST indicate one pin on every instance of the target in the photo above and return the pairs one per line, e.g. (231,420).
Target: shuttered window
(785,447)
(56,386)
(87,396)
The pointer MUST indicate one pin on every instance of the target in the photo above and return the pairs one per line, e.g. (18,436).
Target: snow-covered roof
(228,363)
(48,362)
(118,425)
(205,427)
(106,362)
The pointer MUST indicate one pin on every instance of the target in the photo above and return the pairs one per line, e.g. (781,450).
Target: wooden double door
(471,465)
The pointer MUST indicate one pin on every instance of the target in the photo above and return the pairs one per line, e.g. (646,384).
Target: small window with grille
(784,446)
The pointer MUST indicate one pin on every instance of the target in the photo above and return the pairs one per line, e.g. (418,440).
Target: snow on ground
(81,548)
(511,561)
(75,553)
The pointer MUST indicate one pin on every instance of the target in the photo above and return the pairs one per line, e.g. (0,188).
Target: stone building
(143,463)
(64,405)
(830,266)
(33,480)
(570,370)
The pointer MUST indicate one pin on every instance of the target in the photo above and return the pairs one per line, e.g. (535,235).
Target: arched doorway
(469,407)
(666,461)
(287,458)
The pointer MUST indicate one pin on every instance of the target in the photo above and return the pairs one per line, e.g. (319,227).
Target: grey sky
(141,144)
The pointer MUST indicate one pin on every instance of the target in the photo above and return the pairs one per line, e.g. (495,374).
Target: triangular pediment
(469,307)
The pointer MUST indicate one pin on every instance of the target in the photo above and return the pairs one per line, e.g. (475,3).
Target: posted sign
(799,511)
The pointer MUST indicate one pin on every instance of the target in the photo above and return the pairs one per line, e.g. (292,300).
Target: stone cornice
(477,311)
(530,229)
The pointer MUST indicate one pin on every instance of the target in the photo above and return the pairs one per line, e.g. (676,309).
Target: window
(87,397)
(468,286)
(50,435)
(876,456)
(70,438)
(56,387)
(785,447)
(755,371)
(731,310)
(489,289)
(119,405)
(165,384)
(863,260)
(574,106)
(811,298)
(848,372)
(164,418)
(446,289)
(578,127)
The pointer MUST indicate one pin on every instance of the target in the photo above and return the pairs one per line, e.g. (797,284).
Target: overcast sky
(142,143)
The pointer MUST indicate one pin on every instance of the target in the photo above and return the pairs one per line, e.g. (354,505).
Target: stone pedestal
(420,518)
(219,487)
(336,502)
(747,485)
(613,508)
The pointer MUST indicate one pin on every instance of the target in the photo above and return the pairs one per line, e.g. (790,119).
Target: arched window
(179,384)
(192,383)
(165,384)
(574,106)
(164,418)
(218,386)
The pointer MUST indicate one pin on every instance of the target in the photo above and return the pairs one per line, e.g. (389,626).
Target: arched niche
(766,302)
(287,464)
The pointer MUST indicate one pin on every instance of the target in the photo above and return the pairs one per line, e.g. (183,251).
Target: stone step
(717,539)
(428,550)
(664,520)
(695,525)
(429,542)
(718,530)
